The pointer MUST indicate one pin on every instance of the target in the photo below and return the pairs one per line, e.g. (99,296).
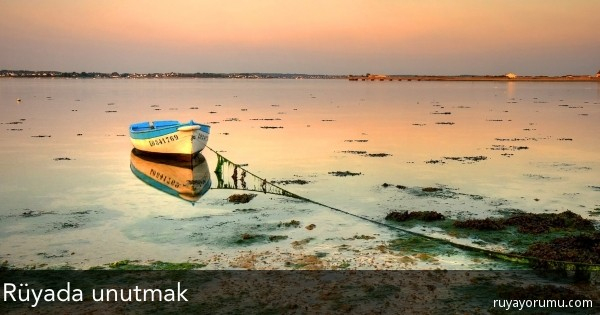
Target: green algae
(343,265)
(277,238)
(362,237)
(411,244)
(249,239)
(127,264)
(498,231)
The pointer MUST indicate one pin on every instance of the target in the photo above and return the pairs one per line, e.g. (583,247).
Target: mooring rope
(512,257)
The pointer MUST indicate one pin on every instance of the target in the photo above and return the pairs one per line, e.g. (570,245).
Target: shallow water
(69,196)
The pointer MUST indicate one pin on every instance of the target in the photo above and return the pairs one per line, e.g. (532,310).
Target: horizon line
(4,72)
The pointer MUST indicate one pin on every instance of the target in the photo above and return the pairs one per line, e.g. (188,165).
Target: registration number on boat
(163,140)
(200,137)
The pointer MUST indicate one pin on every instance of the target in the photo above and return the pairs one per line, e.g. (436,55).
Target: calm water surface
(69,195)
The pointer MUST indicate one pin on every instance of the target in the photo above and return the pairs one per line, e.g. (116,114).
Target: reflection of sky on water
(539,140)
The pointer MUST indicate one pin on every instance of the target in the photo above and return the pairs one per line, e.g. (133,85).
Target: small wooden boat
(188,180)
(169,137)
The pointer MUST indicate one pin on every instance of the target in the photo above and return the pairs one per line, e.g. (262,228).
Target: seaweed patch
(466,159)
(580,249)
(415,215)
(291,181)
(241,198)
(531,223)
(344,173)
(486,224)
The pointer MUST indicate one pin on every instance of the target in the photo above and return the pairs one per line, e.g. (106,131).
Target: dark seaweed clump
(292,223)
(156,265)
(344,173)
(580,249)
(31,213)
(386,185)
(530,223)
(271,127)
(62,159)
(291,181)
(481,225)
(431,189)
(415,215)
(241,198)
(542,223)
(378,154)
(466,158)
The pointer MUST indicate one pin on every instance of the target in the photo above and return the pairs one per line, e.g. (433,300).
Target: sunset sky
(533,37)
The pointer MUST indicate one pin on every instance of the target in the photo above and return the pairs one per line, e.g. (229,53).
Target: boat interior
(149,125)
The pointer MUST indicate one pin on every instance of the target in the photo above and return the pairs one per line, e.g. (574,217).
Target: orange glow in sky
(337,37)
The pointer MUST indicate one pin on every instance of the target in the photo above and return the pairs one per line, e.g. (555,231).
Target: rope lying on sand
(268,187)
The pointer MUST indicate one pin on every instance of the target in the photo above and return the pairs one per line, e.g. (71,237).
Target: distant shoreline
(161,75)
(368,77)
(477,78)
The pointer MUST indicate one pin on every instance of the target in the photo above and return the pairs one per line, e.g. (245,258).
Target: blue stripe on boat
(205,128)
(153,133)
(206,187)
(160,128)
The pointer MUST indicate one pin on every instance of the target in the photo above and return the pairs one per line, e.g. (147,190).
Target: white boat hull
(186,141)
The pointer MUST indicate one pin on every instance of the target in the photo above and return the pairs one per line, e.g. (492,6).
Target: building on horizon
(374,77)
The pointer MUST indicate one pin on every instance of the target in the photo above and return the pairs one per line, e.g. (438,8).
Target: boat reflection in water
(188,180)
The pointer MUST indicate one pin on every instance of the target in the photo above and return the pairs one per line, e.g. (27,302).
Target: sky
(427,37)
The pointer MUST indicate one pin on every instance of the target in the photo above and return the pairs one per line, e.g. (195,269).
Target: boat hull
(178,139)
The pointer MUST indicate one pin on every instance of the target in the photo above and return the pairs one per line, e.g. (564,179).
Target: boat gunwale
(161,131)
